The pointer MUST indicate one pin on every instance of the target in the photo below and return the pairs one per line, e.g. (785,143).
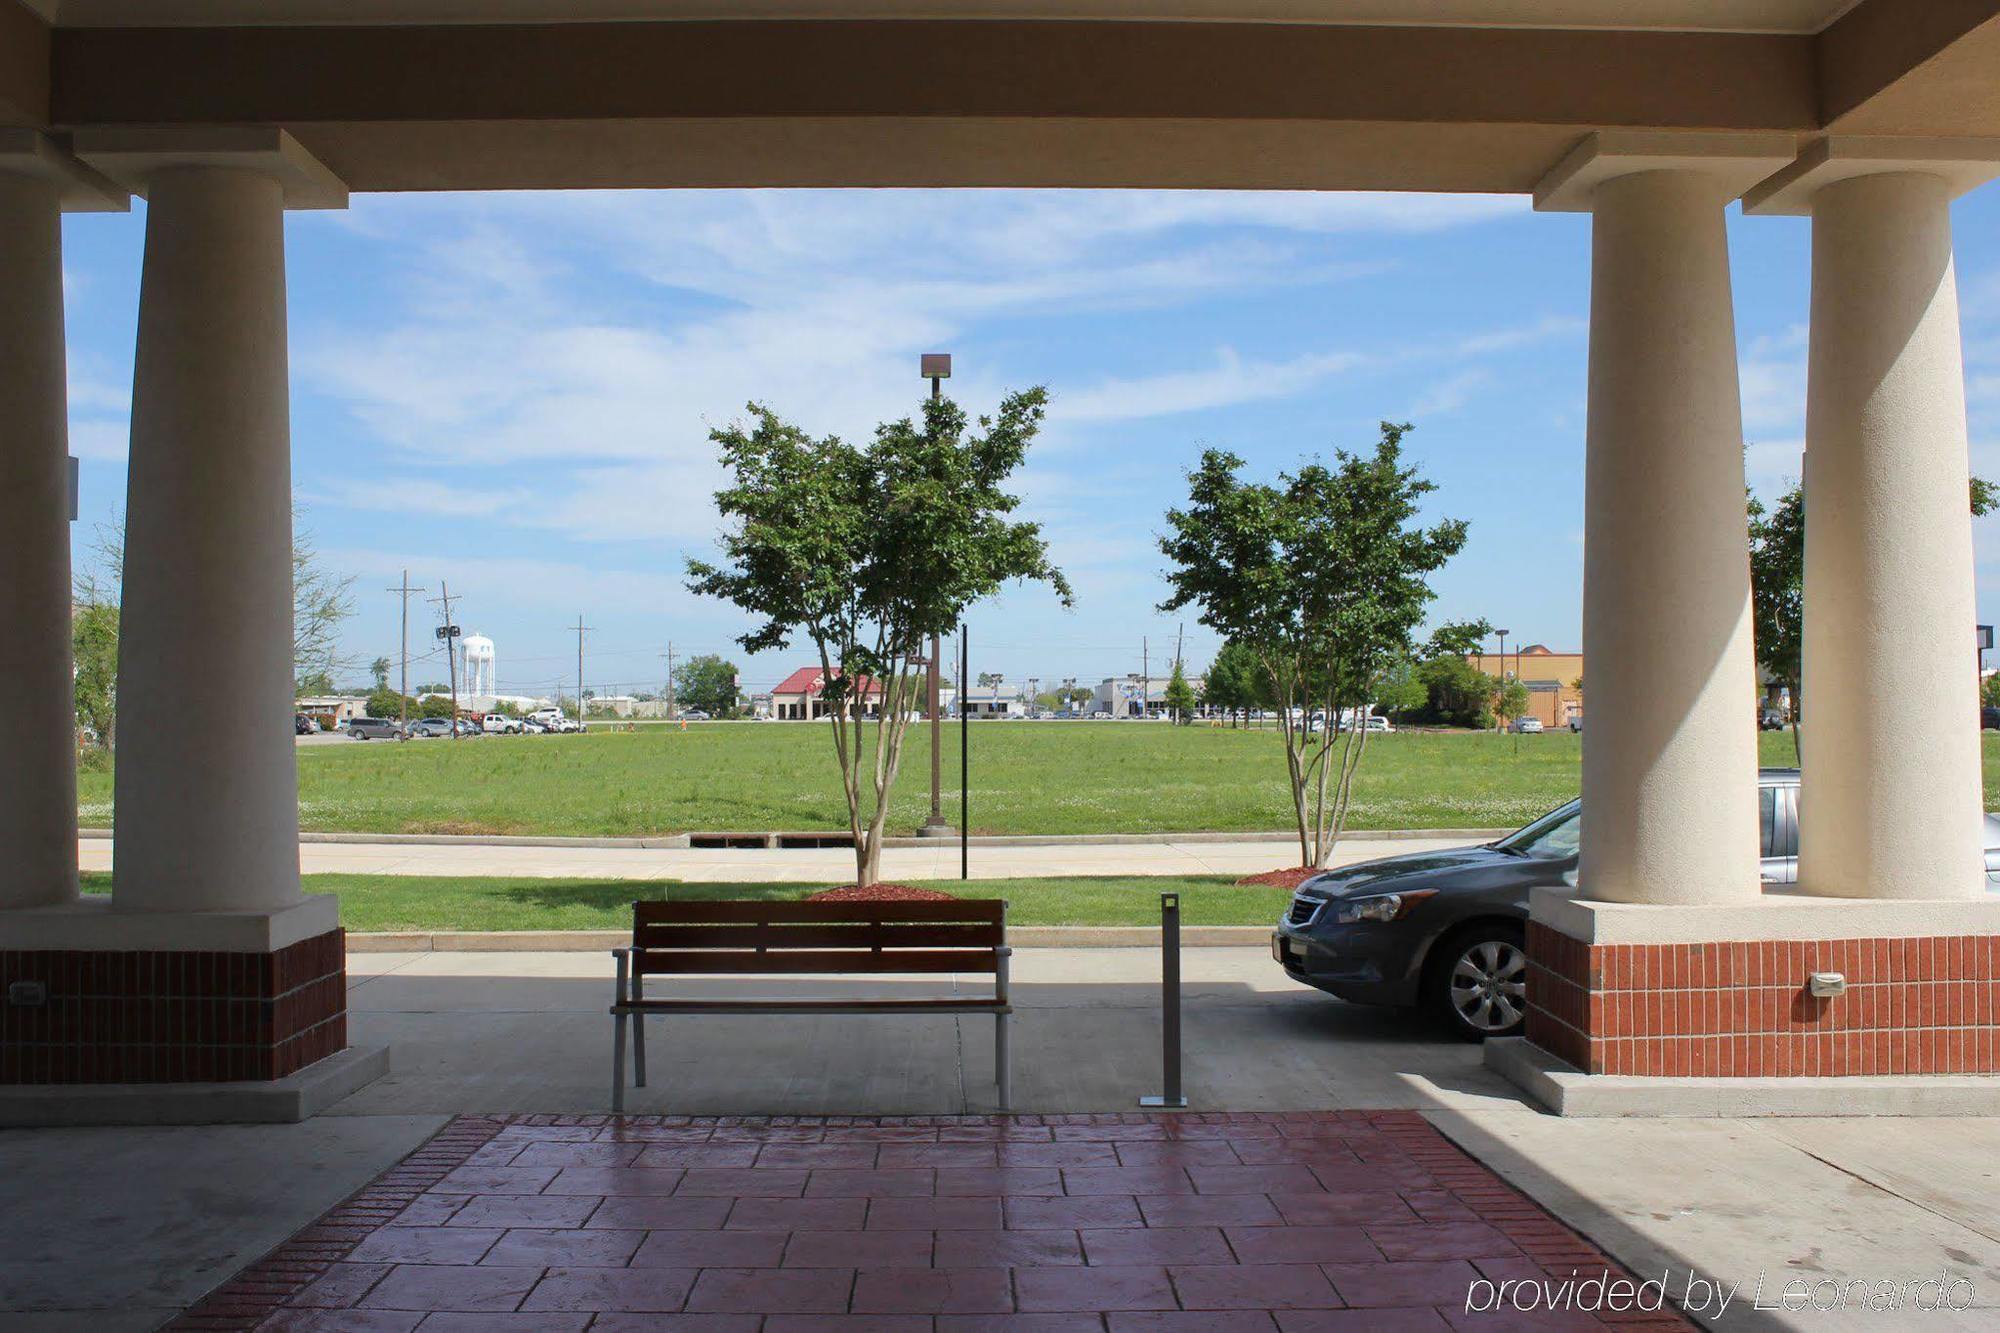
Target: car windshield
(1552,837)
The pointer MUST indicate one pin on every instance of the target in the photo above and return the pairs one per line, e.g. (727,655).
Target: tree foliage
(1325,576)
(707,682)
(1179,697)
(94,642)
(868,550)
(1236,682)
(1458,693)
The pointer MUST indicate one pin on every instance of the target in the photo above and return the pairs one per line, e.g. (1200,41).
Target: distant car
(373,729)
(499,724)
(465,726)
(430,728)
(1376,722)
(693,715)
(303,725)
(1527,726)
(1771,719)
(1576,723)
(532,726)
(1989,719)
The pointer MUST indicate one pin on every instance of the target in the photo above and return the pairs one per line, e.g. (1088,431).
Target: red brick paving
(1279,1223)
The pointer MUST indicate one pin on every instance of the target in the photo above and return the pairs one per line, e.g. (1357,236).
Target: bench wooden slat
(834,935)
(656,962)
(692,912)
(748,1005)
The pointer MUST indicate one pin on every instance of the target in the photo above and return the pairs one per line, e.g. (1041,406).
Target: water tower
(478,651)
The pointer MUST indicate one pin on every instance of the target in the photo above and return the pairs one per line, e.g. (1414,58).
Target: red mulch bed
(879,893)
(1288,878)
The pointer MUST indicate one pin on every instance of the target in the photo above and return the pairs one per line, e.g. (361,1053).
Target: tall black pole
(964,764)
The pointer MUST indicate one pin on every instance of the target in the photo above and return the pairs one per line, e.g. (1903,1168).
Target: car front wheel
(1479,981)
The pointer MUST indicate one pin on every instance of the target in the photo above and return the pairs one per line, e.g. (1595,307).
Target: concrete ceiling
(1796,17)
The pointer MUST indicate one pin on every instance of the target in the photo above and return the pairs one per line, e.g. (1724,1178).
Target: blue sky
(512,393)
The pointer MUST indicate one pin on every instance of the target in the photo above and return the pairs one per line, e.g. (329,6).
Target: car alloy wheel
(1488,986)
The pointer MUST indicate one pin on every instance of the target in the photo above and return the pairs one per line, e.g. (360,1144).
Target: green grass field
(1027,777)
(404,902)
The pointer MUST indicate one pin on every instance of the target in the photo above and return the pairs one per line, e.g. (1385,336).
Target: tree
(379,669)
(435,687)
(1989,691)
(1078,696)
(1402,694)
(1459,693)
(318,682)
(436,706)
(94,643)
(1180,696)
(1325,576)
(321,599)
(1511,702)
(1778,582)
(989,679)
(868,550)
(707,682)
(1235,680)
(388,703)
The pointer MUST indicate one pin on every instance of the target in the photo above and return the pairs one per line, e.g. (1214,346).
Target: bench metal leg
(617,1063)
(638,1050)
(1000,1070)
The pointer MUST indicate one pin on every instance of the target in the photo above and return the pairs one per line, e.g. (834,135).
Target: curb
(680,841)
(579,941)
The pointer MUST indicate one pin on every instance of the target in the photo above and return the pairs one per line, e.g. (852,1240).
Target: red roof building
(797,697)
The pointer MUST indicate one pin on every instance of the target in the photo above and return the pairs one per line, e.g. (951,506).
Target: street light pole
(1503,670)
(936,367)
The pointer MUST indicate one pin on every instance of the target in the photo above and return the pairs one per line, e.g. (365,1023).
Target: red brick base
(1912,1006)
(172,1017)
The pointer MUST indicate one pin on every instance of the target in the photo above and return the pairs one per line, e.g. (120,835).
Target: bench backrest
(964,935)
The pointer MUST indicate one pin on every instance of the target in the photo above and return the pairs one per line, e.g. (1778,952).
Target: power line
(403,693)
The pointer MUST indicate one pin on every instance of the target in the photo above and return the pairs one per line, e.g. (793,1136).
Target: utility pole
(403,692)
(580,713)
(449,633)
(1145,678)
(673,709)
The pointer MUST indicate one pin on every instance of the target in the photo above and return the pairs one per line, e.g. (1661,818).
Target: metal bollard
(1170,1005)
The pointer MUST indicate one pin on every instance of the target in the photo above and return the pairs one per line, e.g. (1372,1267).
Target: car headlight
(1379,906)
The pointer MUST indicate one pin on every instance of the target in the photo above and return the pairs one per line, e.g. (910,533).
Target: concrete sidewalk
(1881,1199)
(818,865)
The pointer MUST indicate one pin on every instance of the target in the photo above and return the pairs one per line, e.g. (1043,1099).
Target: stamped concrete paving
(1272,1222)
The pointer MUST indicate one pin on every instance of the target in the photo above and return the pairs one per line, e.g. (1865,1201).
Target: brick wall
(1912,1006)
(173,1017)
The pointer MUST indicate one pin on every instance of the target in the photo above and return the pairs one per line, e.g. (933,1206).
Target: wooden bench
(680,939)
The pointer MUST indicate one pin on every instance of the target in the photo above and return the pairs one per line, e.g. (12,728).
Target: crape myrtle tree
(1778,582)
(868,550)
(1324,575)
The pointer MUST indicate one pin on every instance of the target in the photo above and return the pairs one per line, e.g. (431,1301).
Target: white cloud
(1773,374)
(101,441)
(1231,380)
(1452,392)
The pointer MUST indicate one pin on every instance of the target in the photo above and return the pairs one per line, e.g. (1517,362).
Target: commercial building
(796,698)
(1551,676)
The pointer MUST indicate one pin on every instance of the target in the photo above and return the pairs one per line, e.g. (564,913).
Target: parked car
(1376,722)
(693,715)
(1445,930)
(1770,719)
(465,726)
(532,726)
(499,724)
(303,725)
(547,715)
(430,728)
(1527,726)
(1989,719)
(373,729)
(1576,723)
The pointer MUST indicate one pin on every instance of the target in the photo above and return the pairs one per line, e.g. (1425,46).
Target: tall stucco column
(1890,790)
(207,789)
(37,725)
(1670,753)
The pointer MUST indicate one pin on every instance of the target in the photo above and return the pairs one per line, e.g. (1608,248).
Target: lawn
(1027,777)
(404,902)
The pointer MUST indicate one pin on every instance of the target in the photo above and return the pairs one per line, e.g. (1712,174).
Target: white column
(207,784)
(1890,791)
(37,723)
(1670,755)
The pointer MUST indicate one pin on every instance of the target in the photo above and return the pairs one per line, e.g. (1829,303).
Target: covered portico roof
(1462,95)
